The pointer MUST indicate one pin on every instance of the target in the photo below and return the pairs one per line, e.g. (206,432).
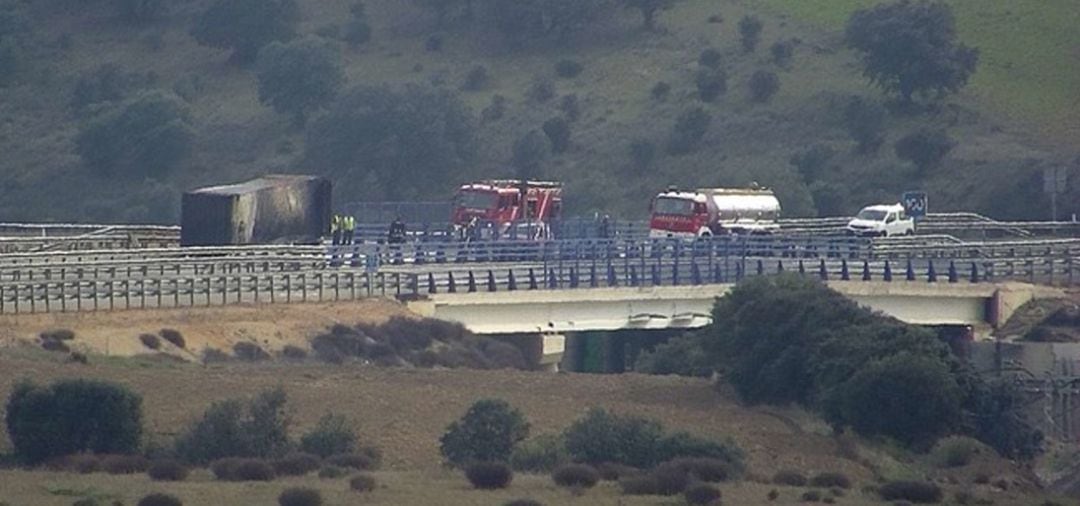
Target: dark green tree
(557,130)
(394,144)
(910,47)
(145,136)
(72,416)
(487,432)
(649,9)
(299,76)
(245,26)
(763,85)
(925,147)
(234,428)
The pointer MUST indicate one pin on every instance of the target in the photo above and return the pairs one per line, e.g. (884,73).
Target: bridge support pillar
(543,352)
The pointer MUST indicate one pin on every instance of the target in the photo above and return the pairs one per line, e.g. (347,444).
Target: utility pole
(1054,182)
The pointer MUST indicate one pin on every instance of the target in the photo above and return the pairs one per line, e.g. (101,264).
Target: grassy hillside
(995,167)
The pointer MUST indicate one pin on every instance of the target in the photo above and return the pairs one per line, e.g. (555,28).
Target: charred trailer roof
(272,209)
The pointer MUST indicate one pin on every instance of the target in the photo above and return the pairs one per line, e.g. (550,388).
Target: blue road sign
(371,263)
(915,204)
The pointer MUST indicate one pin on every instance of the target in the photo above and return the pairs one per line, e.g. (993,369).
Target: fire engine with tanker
(707,212)
(506,208)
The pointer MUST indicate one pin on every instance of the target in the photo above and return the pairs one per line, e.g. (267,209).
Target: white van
(881,221)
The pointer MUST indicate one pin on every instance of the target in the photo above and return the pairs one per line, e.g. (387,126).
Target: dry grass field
(404,411)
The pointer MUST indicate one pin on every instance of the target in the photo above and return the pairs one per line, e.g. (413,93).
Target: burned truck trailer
(276,209)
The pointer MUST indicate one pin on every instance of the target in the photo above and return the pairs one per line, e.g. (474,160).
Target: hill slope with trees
(112,108)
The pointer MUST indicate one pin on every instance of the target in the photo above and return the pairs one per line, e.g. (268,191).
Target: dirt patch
(116,333)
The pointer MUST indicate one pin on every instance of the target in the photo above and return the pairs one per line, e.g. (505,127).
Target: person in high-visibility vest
(350,228)
(335,229)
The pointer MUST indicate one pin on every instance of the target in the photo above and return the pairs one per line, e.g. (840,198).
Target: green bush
(684,445)
(789,478)
(670,479)
(332,435)
(72,416)
(749,32)
(362,483)
(702,494)
(252,470)
(331,472)
(159,499)
(298,77)
(489,475)
(57,335)
(914,491)
(300,496)
(602,436)
(488,432)
(639,484)
(955,451)
(711,83)
(232,428)
(557,130)
(705,469)
(681,355)
(124,464)
(250,352)
(174,337)
(541,454)
(575,476)
(145,136)
(810,496)
(763,85)
(150,341)
(710,58)
(830,480)
(246,26)
(296,464)
(612,471)
(925,147)
(167,470)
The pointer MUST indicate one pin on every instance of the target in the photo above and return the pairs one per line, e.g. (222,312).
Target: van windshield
(476,200)
(670,205)
(871,215)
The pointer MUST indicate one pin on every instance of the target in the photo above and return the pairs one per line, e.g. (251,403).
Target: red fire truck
(714,211)
(493,207)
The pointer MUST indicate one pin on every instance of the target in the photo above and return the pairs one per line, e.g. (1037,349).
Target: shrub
(489,475)
(810,496)
(682,444)
(670,479)
(955,451)
(924,147)
(711,83)
(710,58)
(913,491)
(331,472)
(705,469)
(358,461)
(541,90)
(252,470)
(763,85)
(865,123)
(82,464)
(159,499)
(830,480)
(681,355)
(613,471)
(300,496)
(232,428)
(251,352)
(487,432)
(749,32)
(214,356)
(145,136)
(72,416)
(294,352)
(575,476)
(660,91)
(124,464)
(167,470)
(702,494)
(477,79)
(362,483)
(541,454)
(332,435)
(557,130)
(246,26)
(78,358)
(296,464)
(150,341)
(789,478)
(174,337)
(639,484)
(782,52)
(57,335)
(602,436)
(690,127)
(568,68)
(298,77)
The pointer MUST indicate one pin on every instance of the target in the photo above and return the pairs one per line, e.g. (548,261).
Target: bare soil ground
(116,333)
(405,411)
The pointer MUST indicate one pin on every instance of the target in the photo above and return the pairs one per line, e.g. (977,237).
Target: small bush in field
(955,451)
(763,85)
(253,470)
(487,432)
(160,500)
(57,335)
(124,464)
(702,494)
(913,491)
(489,475)
(300,496)
(223,469)
(332,435)
(362,483)
(810,496)
(167,470)
(575,476)
(296,464)
(829,480)
(540,454)
(640,484)
(704,469)
(174,337)
(710,58)
(670,479)
(251,352)
(294,352)
(332,472)
(789,478)
(150,341)
(613,471)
